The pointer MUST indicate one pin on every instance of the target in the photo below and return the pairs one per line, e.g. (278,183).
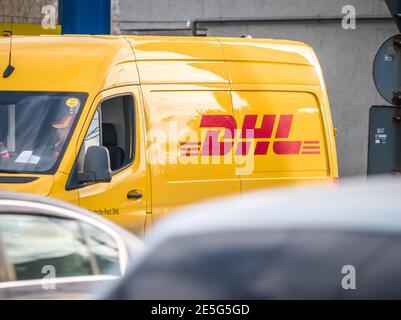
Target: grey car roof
(358,204)
(289,243)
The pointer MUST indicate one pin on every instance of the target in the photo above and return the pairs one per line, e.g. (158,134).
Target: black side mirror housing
(96,166)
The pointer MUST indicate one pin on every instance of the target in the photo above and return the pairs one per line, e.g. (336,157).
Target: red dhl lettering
(211,145)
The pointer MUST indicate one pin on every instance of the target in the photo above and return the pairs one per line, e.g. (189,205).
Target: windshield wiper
(8,171)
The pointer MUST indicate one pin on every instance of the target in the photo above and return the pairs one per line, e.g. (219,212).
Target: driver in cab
(63,127)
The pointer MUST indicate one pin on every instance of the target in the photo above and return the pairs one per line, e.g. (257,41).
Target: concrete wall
(23,11)
(346,56)
(168,12)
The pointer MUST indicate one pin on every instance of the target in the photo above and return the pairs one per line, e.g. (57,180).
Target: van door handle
(134,195)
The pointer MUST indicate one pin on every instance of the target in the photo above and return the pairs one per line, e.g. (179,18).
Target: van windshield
(35,128)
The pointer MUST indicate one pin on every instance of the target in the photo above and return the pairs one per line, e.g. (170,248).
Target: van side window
(92,138)
(112,126)
(118,130)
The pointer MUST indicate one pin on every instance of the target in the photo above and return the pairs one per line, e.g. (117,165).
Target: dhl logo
(212,146)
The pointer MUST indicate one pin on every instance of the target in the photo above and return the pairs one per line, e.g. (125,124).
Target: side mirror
(96,166)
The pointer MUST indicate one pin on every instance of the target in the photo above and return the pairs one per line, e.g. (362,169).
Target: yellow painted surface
(178,180)
(66,63)
(42,186)
(176,82)
(306,126)
(112,197)
(29,29)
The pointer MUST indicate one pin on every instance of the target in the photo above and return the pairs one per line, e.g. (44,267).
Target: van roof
(90,63)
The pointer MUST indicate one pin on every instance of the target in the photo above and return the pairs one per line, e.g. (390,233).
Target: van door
(190,152)
(286,140)
(115,122)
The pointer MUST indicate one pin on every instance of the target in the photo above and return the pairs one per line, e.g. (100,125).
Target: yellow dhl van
(132,127)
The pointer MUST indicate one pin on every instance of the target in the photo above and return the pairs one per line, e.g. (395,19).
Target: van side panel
(278,89)
(288,144)
(180,174)
(179,60)
(204,86)
(254,72)
(185,84)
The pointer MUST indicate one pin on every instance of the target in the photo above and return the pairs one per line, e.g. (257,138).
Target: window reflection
(72,248)
(34,128)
